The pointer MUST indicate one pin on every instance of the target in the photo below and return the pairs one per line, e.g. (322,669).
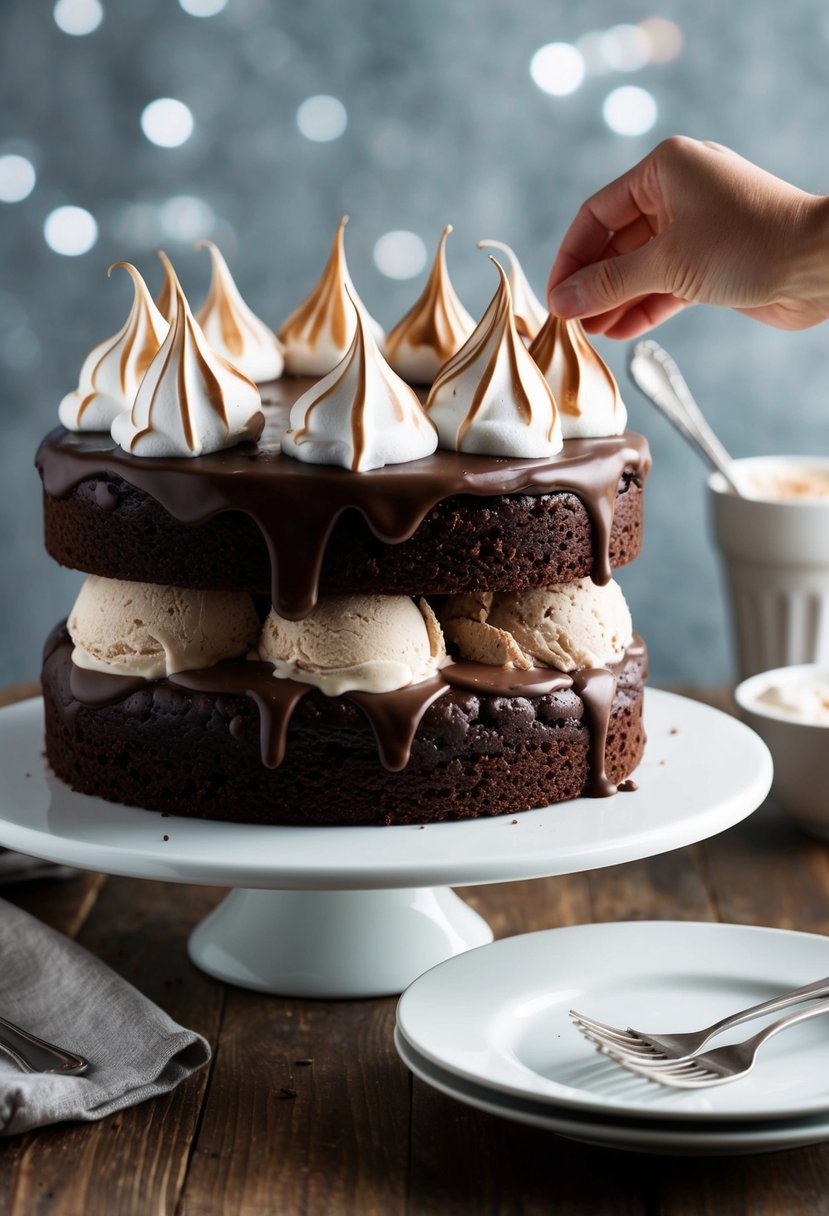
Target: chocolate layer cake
(251,519)
(199,751)
(331,698)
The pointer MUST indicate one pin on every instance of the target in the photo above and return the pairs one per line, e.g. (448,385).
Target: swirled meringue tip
(530,314)
(166,299)
(317,334)
(112,372)
(233,329)
(361,415)
(491,398)
(584,386)
(434,328)
(191,400)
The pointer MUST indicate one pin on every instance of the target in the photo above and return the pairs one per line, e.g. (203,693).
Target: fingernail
(567,300)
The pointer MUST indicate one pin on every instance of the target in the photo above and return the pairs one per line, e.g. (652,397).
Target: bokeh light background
(129,124)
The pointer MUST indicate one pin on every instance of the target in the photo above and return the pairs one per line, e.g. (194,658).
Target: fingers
(644,315)
(634,318)
(604,285)
(626,202)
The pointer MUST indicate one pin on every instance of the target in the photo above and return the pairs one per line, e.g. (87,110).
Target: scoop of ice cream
(805,701)
(568,626)
(349,643)
(143,629)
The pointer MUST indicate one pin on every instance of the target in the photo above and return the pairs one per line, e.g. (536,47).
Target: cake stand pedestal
(356,912)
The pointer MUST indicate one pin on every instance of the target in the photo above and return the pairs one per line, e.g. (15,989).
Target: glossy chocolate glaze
(394,716)
(296,505)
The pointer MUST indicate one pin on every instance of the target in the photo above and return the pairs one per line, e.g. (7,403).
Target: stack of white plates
(491,1028)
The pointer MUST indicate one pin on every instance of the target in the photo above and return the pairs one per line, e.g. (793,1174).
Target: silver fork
(655,1049)
(32,1054)
(721,1065)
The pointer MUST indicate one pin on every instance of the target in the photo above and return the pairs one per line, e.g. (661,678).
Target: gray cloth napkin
(55,989)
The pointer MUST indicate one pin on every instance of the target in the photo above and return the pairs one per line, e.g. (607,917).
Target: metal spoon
(654,373)
(32,1054)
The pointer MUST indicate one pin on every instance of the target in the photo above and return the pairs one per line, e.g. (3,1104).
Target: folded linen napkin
(52,987)
(19,867)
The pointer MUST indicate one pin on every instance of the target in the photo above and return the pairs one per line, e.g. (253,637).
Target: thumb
(604,285)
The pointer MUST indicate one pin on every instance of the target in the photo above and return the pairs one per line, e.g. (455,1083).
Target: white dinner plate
(498,1016)
(703,771)
(667,1136)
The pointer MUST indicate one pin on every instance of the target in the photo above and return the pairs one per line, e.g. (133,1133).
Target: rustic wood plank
(537,903)
(470,1163)
(670,886)
(793,1183)
(19,692)
(766,871)
(64,904)
(132,1163)
(323,1138)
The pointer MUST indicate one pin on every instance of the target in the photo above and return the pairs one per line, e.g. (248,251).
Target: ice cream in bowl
(788,707)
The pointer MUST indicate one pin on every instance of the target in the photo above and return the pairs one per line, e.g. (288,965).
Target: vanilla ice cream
(804,701)
(568,626)
(349,643)
(142,629)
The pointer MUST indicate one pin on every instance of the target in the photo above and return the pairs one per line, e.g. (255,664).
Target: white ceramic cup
(775,554)
(799,748)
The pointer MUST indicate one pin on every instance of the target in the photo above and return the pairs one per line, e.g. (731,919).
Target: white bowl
(775,555)
(799,749)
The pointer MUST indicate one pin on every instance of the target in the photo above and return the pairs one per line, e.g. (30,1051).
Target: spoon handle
(654,373)
(32,1054)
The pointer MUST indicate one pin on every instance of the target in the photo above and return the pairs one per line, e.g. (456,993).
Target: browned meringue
(584,386)
(317,335)
(233,329)
(529,312)
(361,415)
(490,397)
(112,372)
(166,299)
(191,400)
(433,329)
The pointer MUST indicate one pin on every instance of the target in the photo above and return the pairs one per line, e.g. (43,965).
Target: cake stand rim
(394,857)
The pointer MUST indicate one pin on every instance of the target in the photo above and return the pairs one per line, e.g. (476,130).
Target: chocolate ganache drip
(393,716)
(296,505)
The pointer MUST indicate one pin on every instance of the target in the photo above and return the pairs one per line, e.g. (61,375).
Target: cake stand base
(352,912)
(334,944)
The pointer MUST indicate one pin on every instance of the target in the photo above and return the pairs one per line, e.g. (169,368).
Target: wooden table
(352,1132)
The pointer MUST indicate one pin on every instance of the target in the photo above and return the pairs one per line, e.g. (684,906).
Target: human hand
(693,223)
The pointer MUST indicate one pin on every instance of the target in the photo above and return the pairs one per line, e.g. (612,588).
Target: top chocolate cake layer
(252,519)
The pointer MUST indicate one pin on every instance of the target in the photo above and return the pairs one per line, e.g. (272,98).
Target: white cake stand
(355,912)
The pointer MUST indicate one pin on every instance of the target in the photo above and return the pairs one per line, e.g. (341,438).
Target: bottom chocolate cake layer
(168,748)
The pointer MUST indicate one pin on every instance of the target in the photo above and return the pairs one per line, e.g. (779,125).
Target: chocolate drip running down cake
(327,596)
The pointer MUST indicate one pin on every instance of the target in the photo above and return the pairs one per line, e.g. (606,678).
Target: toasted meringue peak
(166,298)
(233,330)
(490,398)
(319,332)
(361,415)
(584,386)
(530,314)
(191,401)
(112,372)
(433,329)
